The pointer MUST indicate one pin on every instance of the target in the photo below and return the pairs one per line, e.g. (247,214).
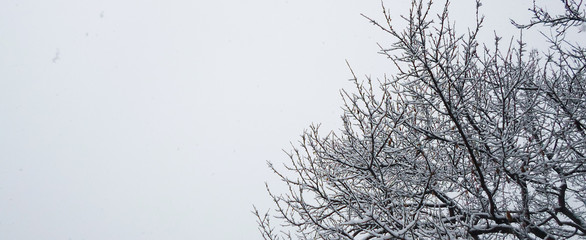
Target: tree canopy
(465,141)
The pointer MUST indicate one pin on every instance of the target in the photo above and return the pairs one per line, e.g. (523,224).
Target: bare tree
(463,142)
(574,15)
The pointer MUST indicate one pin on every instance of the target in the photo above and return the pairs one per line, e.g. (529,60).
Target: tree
(463,142)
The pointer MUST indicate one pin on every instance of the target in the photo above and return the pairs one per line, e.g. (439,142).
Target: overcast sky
(154,119)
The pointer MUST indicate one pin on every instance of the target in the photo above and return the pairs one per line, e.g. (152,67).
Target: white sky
(154,119)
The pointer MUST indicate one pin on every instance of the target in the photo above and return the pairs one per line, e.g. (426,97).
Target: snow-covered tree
(464,142)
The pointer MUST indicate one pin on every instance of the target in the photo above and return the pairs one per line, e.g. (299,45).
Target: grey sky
(154,119)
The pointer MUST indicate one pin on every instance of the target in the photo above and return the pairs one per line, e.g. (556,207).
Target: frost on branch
(464,142)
